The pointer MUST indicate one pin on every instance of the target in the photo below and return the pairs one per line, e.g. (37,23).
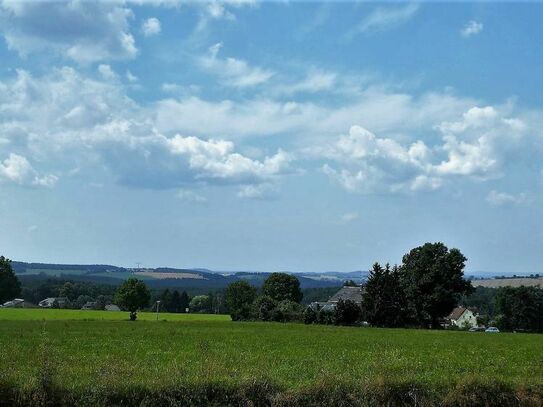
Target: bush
(325,317)
(201,304)
(264,307)
(287,311)
(346,313)
(310,316)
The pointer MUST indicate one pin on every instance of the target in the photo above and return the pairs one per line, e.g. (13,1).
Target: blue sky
(270,136)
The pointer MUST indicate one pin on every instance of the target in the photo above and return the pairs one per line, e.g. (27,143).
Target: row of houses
(460,317)
(61,302)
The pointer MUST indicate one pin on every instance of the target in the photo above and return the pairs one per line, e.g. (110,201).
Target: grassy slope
(105,351)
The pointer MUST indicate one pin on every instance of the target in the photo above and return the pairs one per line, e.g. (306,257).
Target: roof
(348,293)
(457,313)
(324,306)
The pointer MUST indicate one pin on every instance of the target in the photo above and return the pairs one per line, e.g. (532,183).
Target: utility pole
(157,308)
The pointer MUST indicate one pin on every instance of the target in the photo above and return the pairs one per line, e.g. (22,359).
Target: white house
(50,302)
(15,303)
(463,318)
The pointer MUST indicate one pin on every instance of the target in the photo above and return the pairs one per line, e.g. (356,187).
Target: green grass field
(83,350)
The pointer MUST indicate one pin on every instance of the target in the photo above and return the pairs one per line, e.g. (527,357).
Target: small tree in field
(10,287)
(132,295)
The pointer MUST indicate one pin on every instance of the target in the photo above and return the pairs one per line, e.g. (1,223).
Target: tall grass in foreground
(204,360)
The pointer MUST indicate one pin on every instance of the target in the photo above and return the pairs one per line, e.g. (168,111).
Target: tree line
(418,293)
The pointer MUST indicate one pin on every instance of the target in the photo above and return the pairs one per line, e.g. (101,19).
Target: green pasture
(48,314)
(98,348)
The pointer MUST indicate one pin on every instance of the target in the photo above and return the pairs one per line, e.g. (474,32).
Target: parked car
(476,329)
(492,329)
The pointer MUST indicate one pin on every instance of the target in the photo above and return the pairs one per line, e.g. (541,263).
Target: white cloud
(16,169)
(496,198)
(315,81)
(265,191)
(106,72)
(130,77)
(179,90)
(475,147)
(233,72)
(217,10)
(83,31)
(190,196)
(66,118)
(32,228)
(151,27)
(63,119)
(471,28)
(384,18)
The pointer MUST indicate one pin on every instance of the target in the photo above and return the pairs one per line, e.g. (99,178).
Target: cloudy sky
(270,136)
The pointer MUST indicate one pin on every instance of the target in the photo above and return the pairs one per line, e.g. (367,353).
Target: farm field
(82,352)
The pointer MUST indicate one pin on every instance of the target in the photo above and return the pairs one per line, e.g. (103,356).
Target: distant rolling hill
(508,282)
(165,277)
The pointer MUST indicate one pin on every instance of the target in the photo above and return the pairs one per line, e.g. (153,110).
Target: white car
(492,329)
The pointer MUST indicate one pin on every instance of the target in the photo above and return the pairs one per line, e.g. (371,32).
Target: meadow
(98,357)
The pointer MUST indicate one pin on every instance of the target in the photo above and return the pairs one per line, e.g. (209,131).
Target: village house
(462,317)
(15,303)
(89,305)
(350,293)
(52,301)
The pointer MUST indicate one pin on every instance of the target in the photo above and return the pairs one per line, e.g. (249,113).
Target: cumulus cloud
(106,72)
(83,31)
(151,27)
(475,147)
(233,72)
(17,170)
(65,118)
(471,28)
(496,198)
(265,191)
(95,122)
(373,163)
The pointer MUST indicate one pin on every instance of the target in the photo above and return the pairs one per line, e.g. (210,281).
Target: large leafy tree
(384,303)
(239,298)
(132,295)
(520,308)
(282,287)
(433,279)
(10,287)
